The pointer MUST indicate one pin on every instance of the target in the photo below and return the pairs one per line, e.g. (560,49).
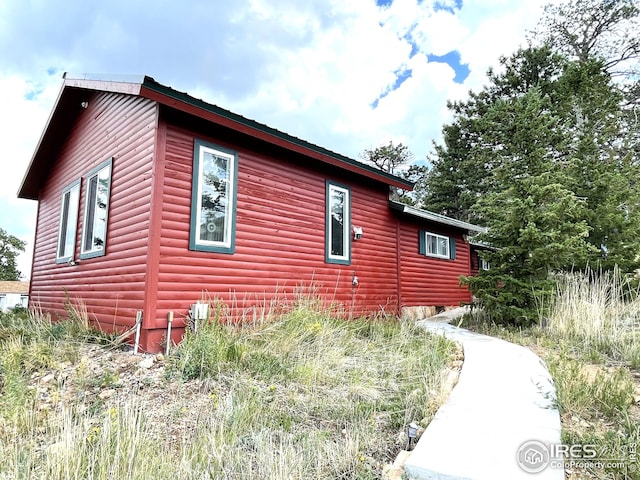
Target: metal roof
(435,217)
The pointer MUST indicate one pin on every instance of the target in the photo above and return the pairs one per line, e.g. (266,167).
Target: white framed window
(338,224)
(437,245)
(96,210)
(483,264)
(3,303)
(213,199)
(68,222)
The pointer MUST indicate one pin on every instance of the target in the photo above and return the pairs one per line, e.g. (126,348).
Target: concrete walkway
(499,420)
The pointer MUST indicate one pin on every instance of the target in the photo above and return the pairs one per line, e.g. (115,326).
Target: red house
(150,200)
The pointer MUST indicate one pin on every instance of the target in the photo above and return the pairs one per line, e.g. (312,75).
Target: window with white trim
(68,222)
(483,264)
(338,224)
(436,245)
(96,211)
(213,199)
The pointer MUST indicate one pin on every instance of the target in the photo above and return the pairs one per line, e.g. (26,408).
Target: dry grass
(300,396)
(600,311)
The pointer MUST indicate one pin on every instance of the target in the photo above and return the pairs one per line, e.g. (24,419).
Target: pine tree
(535,221)
(462,168)
(546,156)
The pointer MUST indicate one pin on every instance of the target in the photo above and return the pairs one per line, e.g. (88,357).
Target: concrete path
(499,420)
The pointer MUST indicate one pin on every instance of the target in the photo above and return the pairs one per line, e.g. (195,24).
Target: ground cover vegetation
(300,396)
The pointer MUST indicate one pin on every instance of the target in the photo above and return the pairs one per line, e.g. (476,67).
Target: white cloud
(441,32)
(25,108)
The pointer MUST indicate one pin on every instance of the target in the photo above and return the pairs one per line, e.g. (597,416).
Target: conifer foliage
(547,156)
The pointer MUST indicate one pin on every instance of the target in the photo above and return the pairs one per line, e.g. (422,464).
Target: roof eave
(29,187)
(129,84)
(24,191)
(147,87)
(436,217)
(188,104)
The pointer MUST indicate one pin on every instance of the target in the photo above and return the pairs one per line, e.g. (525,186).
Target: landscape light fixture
(412,433)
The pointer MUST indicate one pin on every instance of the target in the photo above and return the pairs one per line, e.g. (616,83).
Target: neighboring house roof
(435,217)
(73,93)
(14,287)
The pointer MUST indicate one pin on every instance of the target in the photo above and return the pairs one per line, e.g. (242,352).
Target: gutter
(435,217)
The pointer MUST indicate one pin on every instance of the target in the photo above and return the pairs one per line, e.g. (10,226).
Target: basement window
(338,224)
(96,210)
(68,222)
(436,245)
(213,198)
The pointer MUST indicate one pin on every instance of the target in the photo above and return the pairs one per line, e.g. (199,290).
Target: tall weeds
(601,311)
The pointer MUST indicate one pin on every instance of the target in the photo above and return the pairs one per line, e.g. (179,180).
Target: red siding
(474,262)
(279,238)
(431,281)
(280,229)
(112,286)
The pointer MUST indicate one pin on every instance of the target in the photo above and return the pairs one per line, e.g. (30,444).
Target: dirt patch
(103,378)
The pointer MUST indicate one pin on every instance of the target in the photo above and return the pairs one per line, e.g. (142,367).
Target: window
(68,223)
(484,265)
(24,300)
(213,199)
(3,303)
(96,211)
(338,228)
(435,245)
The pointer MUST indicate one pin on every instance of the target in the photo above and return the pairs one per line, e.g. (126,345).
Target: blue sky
(347,75)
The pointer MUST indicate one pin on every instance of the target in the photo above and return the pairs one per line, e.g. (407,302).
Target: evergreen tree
(462,168)
(546,156)
(535,221)
(585,30)
(388,158)
(10,247)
